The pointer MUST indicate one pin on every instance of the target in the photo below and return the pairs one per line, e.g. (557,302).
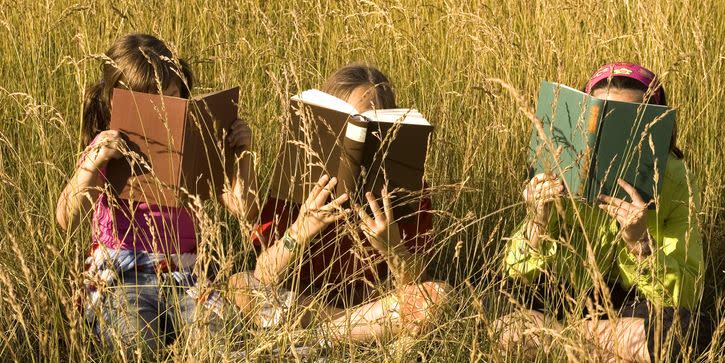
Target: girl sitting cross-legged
(140,273)
(650,261)
(324,262)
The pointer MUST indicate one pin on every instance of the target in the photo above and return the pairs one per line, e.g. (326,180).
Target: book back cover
(633,144)
(154,127)
(311,145)
(570,122)
(209,160)
(395,153)
(175,143)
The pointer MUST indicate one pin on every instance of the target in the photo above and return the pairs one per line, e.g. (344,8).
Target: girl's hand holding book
(316,214)
(240,135)
(381,231)
(107,145)
(541,190)
(82,189)
(632,218)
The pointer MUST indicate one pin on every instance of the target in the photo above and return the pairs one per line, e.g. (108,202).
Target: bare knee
(623,338)
(240,286)
(437,293)
(422,302)
(523,329)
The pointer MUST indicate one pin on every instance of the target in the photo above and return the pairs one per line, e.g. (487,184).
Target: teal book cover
(591,142)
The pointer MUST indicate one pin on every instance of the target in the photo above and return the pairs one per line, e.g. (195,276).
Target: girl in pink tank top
(140,250)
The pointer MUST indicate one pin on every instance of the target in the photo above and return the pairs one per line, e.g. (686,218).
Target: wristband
(289,242)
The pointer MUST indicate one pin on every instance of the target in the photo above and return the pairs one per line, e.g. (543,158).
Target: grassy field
(440,56)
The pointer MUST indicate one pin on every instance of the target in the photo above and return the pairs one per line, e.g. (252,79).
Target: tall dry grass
(439,55)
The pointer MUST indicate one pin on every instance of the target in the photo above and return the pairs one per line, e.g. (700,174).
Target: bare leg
(409,309)
(527,329)
(621,339)
(240,292)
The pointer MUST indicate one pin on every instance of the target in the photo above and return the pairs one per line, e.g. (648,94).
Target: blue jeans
(147,311)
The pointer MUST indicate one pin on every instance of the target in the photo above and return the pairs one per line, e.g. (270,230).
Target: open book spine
(351,158)
(593,124)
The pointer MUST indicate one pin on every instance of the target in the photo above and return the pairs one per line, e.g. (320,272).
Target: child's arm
(315,215)
(524,260)
(242,198)
(529,250)
(82,190)
(384,235)
(671,270)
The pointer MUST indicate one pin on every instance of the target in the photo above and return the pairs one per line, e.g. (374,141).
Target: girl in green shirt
(647,263)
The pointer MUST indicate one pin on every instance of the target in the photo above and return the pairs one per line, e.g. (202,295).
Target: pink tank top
(139,226)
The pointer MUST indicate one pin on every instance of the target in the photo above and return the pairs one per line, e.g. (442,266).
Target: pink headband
(629,70)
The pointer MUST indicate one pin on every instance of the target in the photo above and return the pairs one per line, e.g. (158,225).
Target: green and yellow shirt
(670,276)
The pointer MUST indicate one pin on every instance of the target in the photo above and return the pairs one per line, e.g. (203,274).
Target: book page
(321,99)
(569,89)
(408,116)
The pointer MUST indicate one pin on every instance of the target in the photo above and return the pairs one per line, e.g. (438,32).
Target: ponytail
(96,112)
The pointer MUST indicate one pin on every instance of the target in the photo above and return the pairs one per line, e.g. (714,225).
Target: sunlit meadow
(441,56)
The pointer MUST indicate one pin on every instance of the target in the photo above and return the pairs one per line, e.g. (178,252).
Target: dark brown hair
(345,80)
(633,84)
(138,62)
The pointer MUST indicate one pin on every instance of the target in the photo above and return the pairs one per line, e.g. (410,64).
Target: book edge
(300,97)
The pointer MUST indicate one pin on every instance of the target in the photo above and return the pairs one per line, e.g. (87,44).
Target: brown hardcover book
(176,145)
(326,135)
